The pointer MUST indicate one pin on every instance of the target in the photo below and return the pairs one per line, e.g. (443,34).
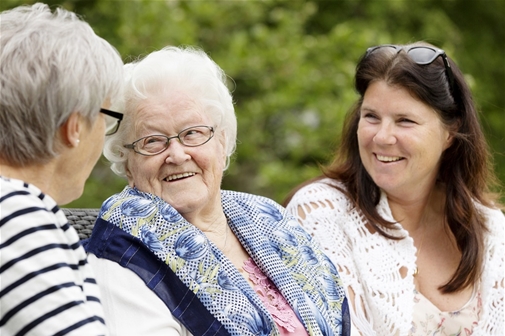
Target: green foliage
(291,66)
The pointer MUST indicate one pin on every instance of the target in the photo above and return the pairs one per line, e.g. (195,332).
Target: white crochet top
(369,264)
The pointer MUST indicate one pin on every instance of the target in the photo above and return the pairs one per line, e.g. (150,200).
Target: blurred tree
(291,66)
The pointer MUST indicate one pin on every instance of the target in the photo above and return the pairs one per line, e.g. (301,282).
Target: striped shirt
(46,285)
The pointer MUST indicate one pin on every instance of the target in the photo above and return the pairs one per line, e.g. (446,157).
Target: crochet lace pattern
(369,264)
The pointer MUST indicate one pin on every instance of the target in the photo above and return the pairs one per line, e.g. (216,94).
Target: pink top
(429,320)
(283,315)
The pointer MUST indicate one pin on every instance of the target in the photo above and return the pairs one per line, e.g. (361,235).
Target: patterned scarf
(278,245)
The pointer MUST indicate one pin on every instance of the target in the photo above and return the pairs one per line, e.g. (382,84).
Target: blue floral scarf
(278,245)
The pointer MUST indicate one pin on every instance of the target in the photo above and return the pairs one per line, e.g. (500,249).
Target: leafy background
(290,66)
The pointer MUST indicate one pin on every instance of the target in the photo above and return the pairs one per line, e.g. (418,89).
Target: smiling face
(401,141)
(188,178)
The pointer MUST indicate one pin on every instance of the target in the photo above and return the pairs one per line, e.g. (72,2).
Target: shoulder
(495,237)
(260,209)
(24,206)
(322,188)
(239,195)
(325,212)
(28,213)
(250,200)
(494,241)
(40,239)
(495,221)
(17,191)
(321,195)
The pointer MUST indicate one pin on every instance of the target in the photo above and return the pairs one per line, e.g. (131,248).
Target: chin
(185,208)
(189,206)
(67,198)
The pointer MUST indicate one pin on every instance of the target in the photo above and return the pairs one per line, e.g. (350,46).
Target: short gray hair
(51,65)
(168,70)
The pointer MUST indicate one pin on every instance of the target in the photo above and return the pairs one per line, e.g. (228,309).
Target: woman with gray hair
(55,75)
(176,255)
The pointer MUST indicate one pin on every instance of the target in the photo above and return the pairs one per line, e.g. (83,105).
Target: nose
(385,134)
(176,153)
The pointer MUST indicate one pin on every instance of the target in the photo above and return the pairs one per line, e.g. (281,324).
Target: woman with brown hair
(405,210)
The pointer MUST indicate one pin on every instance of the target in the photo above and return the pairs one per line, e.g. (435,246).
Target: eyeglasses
(422,55)
(154,144)
(113,125)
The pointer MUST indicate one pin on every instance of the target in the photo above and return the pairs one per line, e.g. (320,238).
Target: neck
(214,226)
(414,214)
(208,217)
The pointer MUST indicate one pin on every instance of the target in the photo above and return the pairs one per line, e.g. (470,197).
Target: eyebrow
(396,115)
(366,109)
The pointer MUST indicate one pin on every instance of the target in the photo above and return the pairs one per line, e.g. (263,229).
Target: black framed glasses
(422,55)
(113,122)
(155,144)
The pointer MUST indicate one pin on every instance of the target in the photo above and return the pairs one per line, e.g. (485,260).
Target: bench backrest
(82,220)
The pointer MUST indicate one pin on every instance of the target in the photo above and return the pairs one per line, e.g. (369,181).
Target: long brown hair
(465,171)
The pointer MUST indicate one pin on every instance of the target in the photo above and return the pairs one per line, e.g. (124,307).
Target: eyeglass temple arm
(113,114)
(449,71)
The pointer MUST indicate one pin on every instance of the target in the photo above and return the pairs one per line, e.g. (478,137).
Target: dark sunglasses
(421,55)
(116,115)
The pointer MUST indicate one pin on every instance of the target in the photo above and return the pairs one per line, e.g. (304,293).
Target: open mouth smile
(383,158)
(176,177)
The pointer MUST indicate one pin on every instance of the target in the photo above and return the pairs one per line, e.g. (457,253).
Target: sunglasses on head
(421,55)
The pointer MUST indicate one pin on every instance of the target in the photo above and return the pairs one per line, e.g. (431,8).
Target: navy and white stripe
(46,284)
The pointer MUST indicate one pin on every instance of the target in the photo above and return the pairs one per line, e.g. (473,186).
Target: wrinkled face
(188,178)
(401,140)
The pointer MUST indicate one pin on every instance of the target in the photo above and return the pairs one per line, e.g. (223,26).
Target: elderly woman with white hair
(176,255)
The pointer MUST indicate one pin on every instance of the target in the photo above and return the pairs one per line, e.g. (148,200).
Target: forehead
(170,111)
(391,98)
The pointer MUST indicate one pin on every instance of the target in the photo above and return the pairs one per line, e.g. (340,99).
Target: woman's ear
(71,130)
(450,140)
(452,133)
(222,141)
(129,176)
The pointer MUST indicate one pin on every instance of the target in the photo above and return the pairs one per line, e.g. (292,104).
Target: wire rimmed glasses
(155,144)
(422,55)
(112,124)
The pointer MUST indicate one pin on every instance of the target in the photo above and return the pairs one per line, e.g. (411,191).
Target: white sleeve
(130,307)
(322,211)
